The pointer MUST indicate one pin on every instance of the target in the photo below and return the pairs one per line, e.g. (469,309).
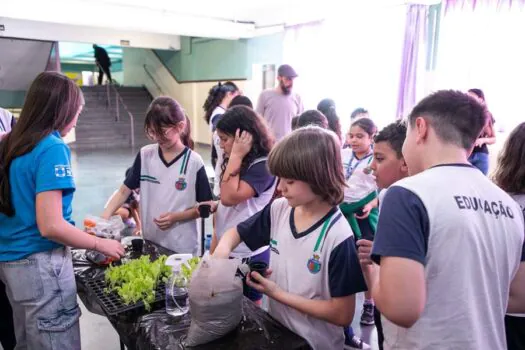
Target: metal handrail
(118,98)
(153,79)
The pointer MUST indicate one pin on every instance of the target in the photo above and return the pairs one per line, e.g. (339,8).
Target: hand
(479,142)
(364,251)
(213,205)
(165,221)
(110,248)
(242,144)
(263,284)
(137,232)
(367,208)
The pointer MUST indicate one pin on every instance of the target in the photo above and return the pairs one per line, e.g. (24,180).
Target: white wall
(17,28)
(190,95)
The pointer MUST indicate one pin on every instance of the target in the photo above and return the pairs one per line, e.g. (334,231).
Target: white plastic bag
(215,300)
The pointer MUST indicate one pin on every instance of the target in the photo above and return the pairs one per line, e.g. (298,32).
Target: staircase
(97,126)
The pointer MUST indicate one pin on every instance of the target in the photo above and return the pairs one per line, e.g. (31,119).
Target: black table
(158,330)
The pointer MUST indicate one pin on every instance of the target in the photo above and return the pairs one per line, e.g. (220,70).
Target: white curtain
(353,57)
(481,46)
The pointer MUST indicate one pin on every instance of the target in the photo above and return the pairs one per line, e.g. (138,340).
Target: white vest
(474,250)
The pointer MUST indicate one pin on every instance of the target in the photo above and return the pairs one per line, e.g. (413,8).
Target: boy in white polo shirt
(449,241)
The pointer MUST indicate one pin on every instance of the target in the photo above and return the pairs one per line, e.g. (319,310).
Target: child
(360,203)
(171,178)
(219,98)
(388,166)
(327,108)
(314,272)
(36,192)
(448,240)
(510,177)
(312,117)
(246,185)
(129,211)
(480,154)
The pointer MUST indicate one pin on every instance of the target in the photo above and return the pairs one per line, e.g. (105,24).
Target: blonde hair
(312,155)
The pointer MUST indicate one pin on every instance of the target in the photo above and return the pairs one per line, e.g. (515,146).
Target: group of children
(439,252)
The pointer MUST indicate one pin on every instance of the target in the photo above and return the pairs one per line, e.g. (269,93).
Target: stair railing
(119,100)
(150,75)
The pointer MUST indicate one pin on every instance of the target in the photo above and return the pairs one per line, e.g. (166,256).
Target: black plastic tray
(113,305)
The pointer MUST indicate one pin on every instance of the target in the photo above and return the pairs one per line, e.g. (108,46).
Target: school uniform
(29,262)
(169,187)
(320,263)
(6,120)
(263,183)
(361,189)
(468,235)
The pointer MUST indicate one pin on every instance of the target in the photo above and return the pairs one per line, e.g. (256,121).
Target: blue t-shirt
(46,168)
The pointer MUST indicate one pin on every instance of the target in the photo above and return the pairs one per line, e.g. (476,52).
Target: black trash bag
(215,300)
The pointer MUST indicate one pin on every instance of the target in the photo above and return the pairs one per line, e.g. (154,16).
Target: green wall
(12,99)
(215,59)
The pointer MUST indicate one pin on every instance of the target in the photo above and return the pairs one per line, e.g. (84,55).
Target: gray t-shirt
(278,110)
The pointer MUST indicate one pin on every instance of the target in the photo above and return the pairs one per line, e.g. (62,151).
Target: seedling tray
(113,305)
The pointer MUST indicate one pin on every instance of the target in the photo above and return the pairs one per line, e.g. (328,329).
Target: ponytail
(185,137)
(215,97)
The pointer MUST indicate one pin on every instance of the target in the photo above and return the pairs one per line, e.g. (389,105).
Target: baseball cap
(286,70)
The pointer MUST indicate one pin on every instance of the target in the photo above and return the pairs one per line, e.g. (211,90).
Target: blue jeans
(481,161)
(42,292)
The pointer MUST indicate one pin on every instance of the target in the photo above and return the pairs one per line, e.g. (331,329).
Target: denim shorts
(42,292)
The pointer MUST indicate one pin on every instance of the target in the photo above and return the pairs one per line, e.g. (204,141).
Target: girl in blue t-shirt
(246,184)
(36,191)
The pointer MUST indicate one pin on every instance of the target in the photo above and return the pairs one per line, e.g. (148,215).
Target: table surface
(158,330)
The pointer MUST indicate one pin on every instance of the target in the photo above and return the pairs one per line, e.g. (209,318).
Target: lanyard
(350,170)
(184,165)
(322,234)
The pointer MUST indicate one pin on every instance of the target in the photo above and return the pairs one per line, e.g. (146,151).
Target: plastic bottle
(177,302)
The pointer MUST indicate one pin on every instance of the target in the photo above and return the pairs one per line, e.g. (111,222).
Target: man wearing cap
(279,105)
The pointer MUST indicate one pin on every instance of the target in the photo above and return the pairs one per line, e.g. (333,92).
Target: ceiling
(229,19)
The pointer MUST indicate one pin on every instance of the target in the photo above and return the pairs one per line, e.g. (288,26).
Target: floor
(98,174)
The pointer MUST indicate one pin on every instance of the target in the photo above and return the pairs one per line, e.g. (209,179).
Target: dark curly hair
(215,97)
(395,135)
(246,119)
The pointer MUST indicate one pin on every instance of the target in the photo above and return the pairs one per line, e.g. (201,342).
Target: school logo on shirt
(314,265)
(181,184)
(63,171)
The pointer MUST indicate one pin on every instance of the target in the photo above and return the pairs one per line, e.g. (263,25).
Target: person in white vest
(449,242)
(7,121)
(246,183)
(171,178)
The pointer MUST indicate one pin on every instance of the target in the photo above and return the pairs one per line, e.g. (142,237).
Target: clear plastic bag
(216,298)
(103,228)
